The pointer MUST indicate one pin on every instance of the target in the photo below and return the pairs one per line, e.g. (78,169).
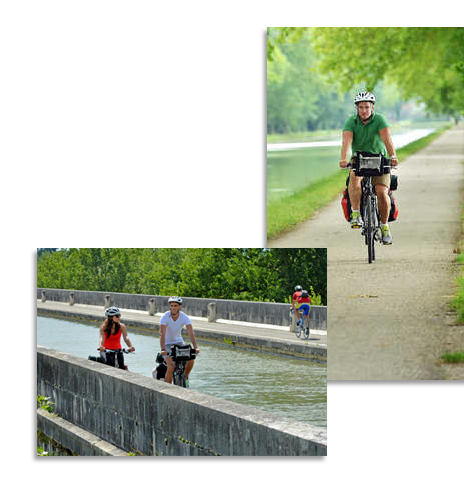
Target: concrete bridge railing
(254,312)
(137,413)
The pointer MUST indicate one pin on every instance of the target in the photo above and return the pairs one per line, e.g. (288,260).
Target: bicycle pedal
(355,226)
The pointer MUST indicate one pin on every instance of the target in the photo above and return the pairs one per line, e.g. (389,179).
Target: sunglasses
(118,315)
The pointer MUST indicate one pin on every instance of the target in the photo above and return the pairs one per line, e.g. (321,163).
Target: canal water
(294,166)
(281,385)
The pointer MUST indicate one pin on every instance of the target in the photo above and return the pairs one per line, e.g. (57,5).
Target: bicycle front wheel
(370,229)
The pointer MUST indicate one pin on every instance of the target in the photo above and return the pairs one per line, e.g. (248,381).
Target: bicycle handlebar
(123,350)
(349,165)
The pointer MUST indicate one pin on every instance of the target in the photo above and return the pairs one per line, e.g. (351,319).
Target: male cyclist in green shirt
(368,131)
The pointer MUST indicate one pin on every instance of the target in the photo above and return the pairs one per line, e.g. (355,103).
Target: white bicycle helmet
(298,288)
(110,312)
(364,97)
(175,299)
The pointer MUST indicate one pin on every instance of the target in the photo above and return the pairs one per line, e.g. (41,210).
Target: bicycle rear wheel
(306,332)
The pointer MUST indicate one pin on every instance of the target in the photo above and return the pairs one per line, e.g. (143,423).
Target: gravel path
(391,320)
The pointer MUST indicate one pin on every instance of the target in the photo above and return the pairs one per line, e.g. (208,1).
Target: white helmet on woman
(364,97)
(112,311)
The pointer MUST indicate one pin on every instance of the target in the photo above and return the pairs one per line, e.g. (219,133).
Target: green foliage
(306,88)
(458,300)
(253,274)
(426,63)
(42,453)
(40,251)
(313,73)
(298,97)
(44,404)
(453,357)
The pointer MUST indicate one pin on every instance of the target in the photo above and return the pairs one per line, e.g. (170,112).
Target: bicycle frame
(369,211)
(370,216)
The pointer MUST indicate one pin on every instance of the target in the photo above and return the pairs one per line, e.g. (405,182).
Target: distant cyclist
(110,337)
(368,131)
(299,300)
(295,296)
(304,304)
(171,325)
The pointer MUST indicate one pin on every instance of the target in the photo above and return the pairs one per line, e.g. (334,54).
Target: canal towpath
(261,337)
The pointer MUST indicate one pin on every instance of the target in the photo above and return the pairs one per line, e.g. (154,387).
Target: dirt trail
(390,320)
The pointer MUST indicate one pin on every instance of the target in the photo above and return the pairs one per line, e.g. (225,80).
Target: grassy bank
(458,301)
(285,213)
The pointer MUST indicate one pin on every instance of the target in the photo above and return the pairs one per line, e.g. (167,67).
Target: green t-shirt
(366,138)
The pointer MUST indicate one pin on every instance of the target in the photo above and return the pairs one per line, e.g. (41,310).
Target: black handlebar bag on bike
(366,164)
(184,352)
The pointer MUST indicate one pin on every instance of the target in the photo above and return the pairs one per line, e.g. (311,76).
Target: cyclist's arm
(191,336)
(163,337)
(347,140)
(387,140)
(126,337)
(102,339)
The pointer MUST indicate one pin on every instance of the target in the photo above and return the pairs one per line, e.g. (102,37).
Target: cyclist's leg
(382,185)
(170,363)
(305,309)
(121,360)
(306,314)
(298,313)
(188,368)
(110,359)
(354,191)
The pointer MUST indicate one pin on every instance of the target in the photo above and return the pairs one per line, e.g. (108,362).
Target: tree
(41,251)
(426,63)
(253,274)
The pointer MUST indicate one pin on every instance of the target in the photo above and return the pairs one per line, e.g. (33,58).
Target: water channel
(281,385)
(294,166)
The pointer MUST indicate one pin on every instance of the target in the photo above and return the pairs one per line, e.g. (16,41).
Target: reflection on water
(292,388)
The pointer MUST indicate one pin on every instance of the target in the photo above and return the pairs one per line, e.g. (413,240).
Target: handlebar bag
(368,164)
(182,353)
